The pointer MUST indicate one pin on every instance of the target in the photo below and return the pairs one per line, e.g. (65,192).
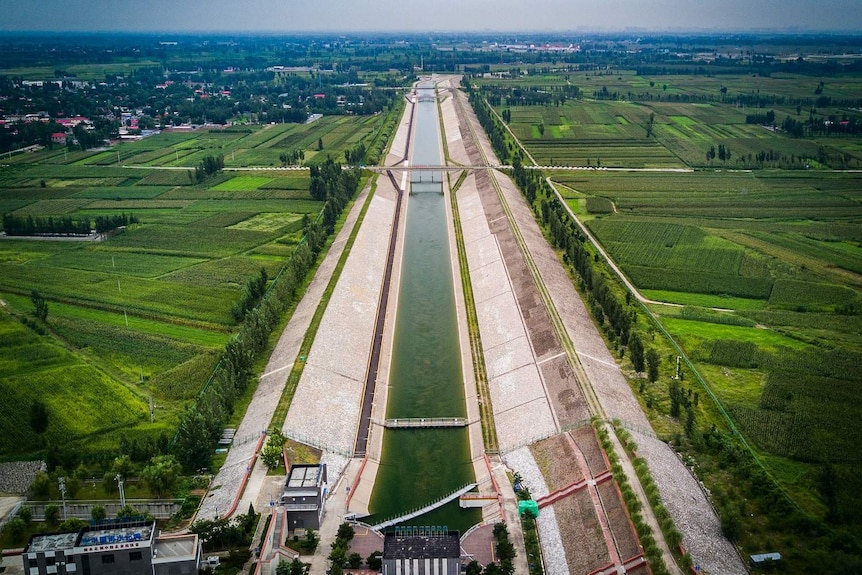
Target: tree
(345,531)
(41,486)
(375,561)
(98,513)
(38,416)
(40,306)
(52,514)
(473,568)
(354,560)
(162,474)
(731,525)
(636,352)
(26,514)
(72,524)
(122,465)
(652,361)
(129,512)
(16,527)
(309,544)
(295,567)
(319,144)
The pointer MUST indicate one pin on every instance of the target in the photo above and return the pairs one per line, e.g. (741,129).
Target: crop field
(618,520)
(612,129)
(144,311)
(556,460)
(770,234)
(32,369)
(581,533)
(241,184)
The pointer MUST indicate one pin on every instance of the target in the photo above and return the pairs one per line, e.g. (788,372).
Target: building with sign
(112,548)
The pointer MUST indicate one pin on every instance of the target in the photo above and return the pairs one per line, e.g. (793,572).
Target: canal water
(420,465)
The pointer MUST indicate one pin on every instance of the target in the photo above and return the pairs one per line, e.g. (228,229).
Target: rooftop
(51,542)
(173,548)
(106,534)
(396,546)
(304,476)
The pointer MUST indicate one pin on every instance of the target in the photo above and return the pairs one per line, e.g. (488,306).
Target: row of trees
(493,127)
(201,424)
(30,226)
(251,294)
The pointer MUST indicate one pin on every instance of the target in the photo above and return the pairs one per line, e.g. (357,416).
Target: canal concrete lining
(325,408)
(520,406)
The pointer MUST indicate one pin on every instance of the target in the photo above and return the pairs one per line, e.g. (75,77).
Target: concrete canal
(420,465)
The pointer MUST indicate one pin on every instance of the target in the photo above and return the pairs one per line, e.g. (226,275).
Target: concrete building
(303,496)
(436,553)
(112,548)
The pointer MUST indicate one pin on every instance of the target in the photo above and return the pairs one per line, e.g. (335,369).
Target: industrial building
(112,548)
(304,496)
(422,552)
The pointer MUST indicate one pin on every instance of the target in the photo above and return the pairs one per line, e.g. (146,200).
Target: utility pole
(119,479)
(62,482)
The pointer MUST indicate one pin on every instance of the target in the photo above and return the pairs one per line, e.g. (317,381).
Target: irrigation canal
(422,464)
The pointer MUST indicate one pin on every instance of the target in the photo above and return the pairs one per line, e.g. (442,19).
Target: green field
(145,311)
(80,399)
(770,237)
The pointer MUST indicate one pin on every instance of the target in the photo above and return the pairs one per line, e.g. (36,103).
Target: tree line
(33,226)
(201,424)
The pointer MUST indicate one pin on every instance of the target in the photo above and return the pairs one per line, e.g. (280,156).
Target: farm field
(754,255)
(687,115)
(144,312)
(781,250)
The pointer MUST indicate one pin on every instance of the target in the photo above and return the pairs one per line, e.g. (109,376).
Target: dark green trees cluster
(295,567)
(201,424)
(254,290)
(209,165)
(226,533)
(30,226)
(336,186)
(339,556)
(292,158)
(355,155)
(505,552)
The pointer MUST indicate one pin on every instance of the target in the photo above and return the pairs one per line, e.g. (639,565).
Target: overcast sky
(427,15)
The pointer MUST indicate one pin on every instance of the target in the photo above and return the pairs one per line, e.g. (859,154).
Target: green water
(420,465)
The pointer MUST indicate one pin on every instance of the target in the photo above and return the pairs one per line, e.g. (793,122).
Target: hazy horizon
(379,16)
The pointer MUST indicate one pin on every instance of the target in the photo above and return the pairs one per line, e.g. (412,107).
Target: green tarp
(530,507)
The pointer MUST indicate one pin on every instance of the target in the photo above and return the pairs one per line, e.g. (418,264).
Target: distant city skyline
(174,16)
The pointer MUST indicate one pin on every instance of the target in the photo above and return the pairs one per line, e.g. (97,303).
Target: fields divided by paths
(153,303)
